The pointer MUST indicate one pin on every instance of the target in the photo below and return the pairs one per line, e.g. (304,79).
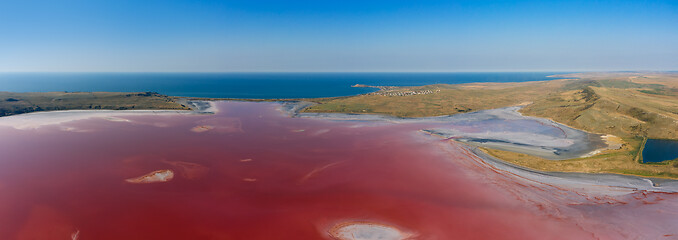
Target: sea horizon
(248,85)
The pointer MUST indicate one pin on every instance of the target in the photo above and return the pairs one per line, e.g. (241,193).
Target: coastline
(581,146)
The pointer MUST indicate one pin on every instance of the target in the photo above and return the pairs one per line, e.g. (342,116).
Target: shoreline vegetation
(631,106)
(13,103)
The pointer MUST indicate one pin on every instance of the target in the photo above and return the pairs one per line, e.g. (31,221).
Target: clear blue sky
(341,35)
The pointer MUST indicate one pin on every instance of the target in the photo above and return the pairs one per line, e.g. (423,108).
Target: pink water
(255,173)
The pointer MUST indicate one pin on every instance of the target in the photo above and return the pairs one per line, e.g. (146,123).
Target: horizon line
(235,72)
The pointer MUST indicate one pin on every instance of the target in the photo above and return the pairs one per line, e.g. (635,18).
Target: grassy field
(445,99)
(617,106)
(16,103)
(632,106)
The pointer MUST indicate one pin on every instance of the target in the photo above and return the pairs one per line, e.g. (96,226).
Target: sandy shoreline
(601,183)
(39,119)
(501,128)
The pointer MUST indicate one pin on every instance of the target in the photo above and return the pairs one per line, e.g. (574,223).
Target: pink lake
(252,172)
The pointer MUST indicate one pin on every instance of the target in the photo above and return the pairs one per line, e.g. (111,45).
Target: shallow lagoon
(252,172)
(659,150)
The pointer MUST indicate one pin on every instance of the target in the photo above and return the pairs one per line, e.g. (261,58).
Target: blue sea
(245,85)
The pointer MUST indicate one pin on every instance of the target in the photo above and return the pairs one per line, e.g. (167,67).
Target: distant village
(404,93)
(390,91)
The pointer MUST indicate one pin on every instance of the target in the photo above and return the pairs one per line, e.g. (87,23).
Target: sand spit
(36,120)
(613,142)
(603,184)
(293,108)
(75,235)
(153,177)
(199,106)
(502,128)
(360,230)
(218,124)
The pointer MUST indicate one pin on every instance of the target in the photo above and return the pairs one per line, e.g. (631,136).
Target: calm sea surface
(244,85)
